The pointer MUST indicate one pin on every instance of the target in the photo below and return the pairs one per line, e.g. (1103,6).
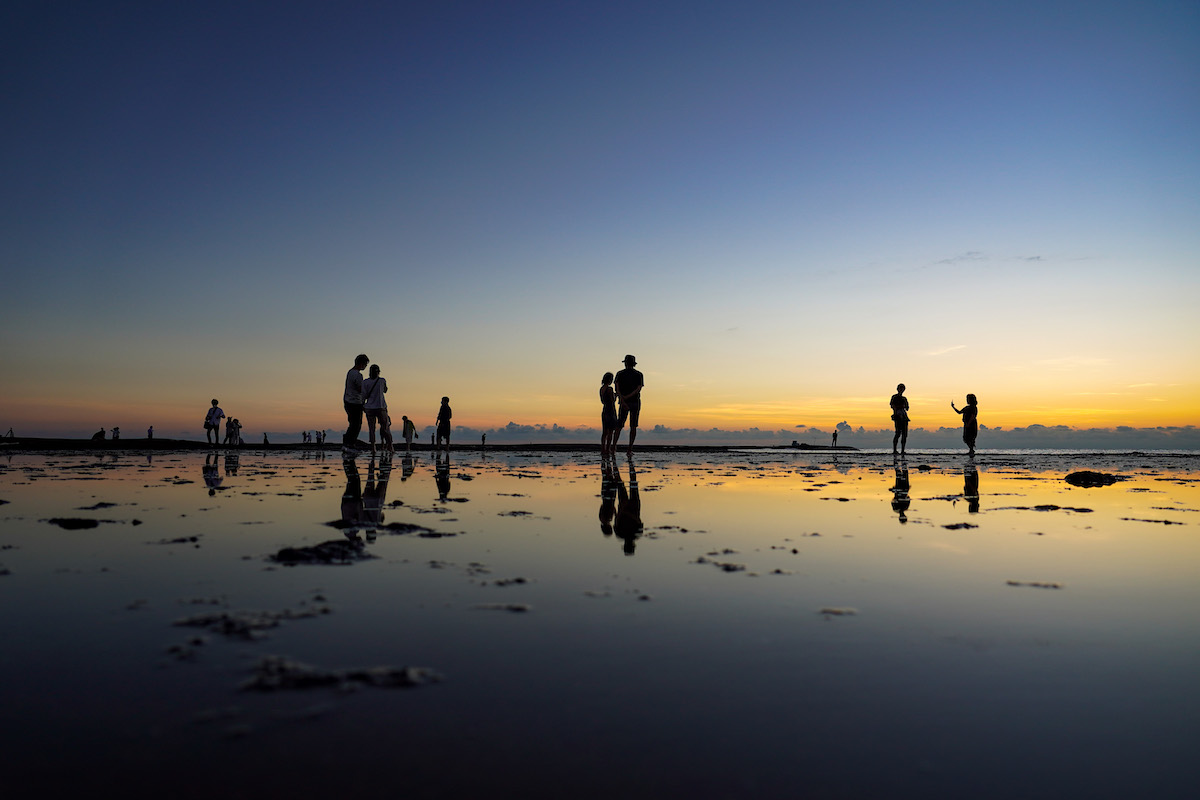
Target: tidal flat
(746,623)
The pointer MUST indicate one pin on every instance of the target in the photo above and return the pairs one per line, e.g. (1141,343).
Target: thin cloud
(970,255)
(941,351)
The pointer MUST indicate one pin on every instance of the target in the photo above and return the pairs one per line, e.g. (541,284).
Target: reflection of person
(970,418)
(375,494)
(629,384)
(406,468)
(443,423)
(628,524)
(609,478)
(441,476)
(900,498)
(899,404)
(971,488)
(374,389)
(212,477)
(212,424)
(231,463)
(409,431)
(608,415)
(352,399)
(352,499)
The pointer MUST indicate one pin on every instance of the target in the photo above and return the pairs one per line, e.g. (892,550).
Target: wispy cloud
(941,351)
(970,255)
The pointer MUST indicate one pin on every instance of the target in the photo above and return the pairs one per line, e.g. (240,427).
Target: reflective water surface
(719,625)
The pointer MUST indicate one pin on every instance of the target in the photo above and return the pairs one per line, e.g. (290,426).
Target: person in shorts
(629,383)
(374,389)
(212,424)
(352,399)
(899,404)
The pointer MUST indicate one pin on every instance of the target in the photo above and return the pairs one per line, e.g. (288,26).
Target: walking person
(970,418)
(212,424)
(352,399)
(629,384)
(374,389)
(899,404)
(408,431)
(608,416)
(443,424)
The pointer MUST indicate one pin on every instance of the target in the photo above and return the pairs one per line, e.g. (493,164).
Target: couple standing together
(969,414)
(366,397)
(628,389)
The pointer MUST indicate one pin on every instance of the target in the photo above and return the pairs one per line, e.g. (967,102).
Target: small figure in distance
(409,431)
(116,433)
(150,432)
(629,384)
(265,439)
(970,418)
(98,436)
(352,399)
(443,424)
(374,389)
(212,424)
(483,441)
(899,404)
(835,437)
(608,416)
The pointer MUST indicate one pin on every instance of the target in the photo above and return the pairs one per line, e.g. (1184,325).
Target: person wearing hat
(629,383)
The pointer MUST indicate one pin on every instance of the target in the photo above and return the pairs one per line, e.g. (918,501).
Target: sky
(781,209)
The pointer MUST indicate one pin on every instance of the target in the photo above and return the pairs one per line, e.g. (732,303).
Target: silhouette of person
(443,423)
(116,433)
(352,399)
(629,383)
(483,441)
(212,476)
(374,389)
(899,404)
(609,478)
(900,498)
(150,432)
(835,437)
(212,424)
(409,431)
(265,440)
(970,418)
(98,436)
(628,523)
(608,415)
(971,488)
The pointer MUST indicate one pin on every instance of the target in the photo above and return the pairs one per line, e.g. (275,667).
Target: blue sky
(782,208)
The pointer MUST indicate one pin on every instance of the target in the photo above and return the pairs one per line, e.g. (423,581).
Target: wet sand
(711,622)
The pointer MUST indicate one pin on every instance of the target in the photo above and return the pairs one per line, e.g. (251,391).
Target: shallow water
(719,625)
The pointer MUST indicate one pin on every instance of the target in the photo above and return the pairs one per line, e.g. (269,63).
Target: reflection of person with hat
(629,384)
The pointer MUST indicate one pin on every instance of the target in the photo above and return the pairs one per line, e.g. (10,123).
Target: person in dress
(970,418)
(608,415)
(899,405)
(443,424)
(374,389)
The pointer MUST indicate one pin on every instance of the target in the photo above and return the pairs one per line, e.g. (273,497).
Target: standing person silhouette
(970,418)
(374,389)
(353,399)
(212,424)
(409,430)
(629,383)
(899,404)
(443,424)
(608,416)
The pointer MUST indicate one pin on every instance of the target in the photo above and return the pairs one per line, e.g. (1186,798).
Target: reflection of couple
(364,508)
(901,488)
(626,519)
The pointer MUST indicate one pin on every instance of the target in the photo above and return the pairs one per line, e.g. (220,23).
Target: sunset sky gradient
(782,209)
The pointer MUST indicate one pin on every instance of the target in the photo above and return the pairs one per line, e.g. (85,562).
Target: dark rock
(1086,479)
(74,523)
(337,551)
(274,673)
